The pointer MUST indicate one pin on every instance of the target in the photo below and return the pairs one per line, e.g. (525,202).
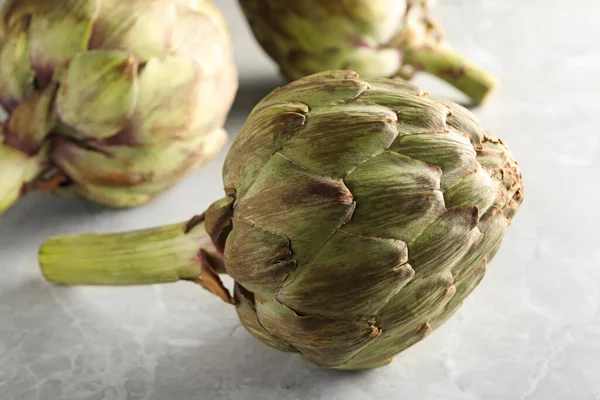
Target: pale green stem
(16,170)
(444,62)
(158,255)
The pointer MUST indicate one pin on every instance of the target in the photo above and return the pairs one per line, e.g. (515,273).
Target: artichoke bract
(357,217)
(111,100)
(376,38)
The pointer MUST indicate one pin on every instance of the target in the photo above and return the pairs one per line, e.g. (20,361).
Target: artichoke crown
(124,97)
(359,215)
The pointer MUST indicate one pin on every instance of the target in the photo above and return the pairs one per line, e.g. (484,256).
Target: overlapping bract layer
(361,214)
(128,95)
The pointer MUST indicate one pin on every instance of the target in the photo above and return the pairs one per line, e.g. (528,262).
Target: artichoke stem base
(159,255)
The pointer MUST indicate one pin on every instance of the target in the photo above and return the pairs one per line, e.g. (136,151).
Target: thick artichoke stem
(159,255)
(445,63)
(17,169)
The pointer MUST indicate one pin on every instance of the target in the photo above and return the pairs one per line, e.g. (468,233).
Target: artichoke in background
(376,38)
(357,217)
(112,100)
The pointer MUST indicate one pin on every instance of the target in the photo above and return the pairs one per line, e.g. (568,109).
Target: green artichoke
(111,100)
(376,38)
(357,217)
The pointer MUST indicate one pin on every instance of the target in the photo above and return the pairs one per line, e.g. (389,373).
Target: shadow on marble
(234,363)
(251,91)
(101,343)
(22,290)
(33,306)
(39,215)
(40,206)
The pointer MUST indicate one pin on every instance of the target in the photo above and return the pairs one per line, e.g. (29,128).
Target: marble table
(531,330)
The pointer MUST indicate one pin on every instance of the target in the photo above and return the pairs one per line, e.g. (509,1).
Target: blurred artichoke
(376,38)
(112,100)
(358,216)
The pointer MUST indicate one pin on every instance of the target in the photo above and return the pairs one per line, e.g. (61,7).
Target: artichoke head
(376,38)
(359,215)
(118,98)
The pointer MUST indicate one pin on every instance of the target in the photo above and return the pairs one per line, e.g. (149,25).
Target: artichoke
(376,38)
(357,217)
(111,100)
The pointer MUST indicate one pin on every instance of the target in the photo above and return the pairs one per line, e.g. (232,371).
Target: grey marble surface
(531,331)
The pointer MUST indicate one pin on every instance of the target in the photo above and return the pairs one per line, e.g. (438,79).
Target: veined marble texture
(530,331)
